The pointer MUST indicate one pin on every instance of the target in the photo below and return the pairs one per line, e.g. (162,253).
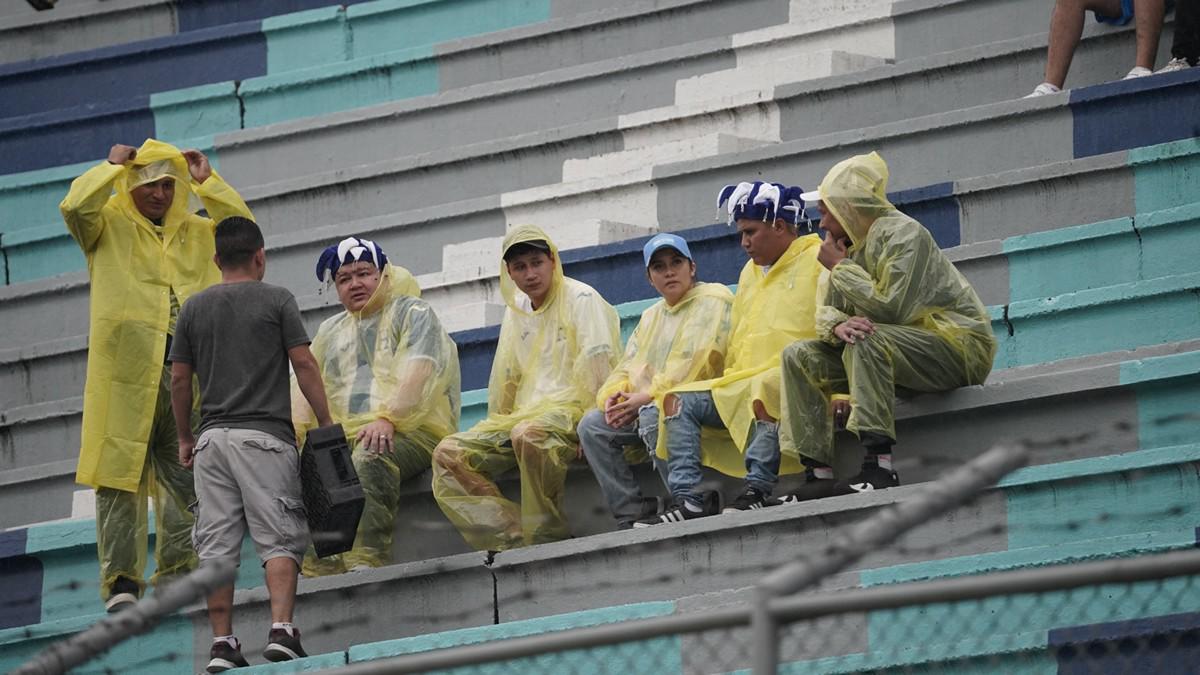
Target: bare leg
(1148,20)
(1066,28)
(281,576)
(220,611)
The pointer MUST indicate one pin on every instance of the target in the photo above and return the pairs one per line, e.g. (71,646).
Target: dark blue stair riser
(74,141)
(148,67)
(199,14)
(1136,113)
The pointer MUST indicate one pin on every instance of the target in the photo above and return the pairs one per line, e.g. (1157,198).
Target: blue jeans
(604,448)
(697,409)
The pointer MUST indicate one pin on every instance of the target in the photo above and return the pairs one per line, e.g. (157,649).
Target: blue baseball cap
(665,240)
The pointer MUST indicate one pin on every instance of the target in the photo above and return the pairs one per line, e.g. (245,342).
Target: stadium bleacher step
(1075,510)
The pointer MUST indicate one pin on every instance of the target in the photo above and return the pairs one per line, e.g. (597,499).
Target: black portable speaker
(333,497)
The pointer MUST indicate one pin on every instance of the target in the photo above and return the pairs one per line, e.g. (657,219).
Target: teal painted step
(311,664)
(1168,413)
(332,34)
(1094,321)
(1133,504)
(39,253)
(343,86)
(1165,175)
(31,199)
(167,649)
(195,112)
(71,584)
(663,653)
(1151,245)
(307,39)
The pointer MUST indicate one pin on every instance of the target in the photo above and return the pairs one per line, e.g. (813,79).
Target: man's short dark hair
(238,239)
(520,249)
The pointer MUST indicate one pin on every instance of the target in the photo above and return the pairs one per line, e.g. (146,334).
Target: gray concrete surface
(78,25)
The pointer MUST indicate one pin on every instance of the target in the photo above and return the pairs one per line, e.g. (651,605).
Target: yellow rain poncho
(672,345)
(770,311)
(135,269)
(548,366)
(392,360)
(932,333)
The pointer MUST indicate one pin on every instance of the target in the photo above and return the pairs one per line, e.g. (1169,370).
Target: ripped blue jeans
(697,409)
(604,448)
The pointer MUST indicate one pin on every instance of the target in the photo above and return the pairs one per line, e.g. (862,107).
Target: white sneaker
(1043,89)
(1137,72)
(1174,66)
(120,601)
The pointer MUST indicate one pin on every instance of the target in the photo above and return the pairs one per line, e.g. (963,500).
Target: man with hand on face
(730,423)
(392,377)
(680,339)
(134,217)
(897,314)
(558,342)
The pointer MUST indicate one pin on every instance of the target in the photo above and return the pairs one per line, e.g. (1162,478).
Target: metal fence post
(765,630)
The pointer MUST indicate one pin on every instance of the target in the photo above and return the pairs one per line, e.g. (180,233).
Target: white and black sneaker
(225,656)
(751,498)
(283,645)
(872,477)
(124,593)
(686,510)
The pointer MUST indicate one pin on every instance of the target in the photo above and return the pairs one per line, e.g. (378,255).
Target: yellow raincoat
(932,331)
(674,344)
(132,274)
(128,448)
(770,311)
(391,360)
(549,364)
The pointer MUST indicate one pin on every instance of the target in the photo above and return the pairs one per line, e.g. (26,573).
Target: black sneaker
(710,507)
(224,656)
(283,646)
(124,593)
(650,507)
(871,478)
(751,498)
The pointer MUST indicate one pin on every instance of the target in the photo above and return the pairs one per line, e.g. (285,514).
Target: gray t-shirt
(236,336)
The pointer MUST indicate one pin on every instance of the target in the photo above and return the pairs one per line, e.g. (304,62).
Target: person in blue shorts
(1066,28)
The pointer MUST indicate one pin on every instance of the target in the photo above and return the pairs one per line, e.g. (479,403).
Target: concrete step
(261,156)
(1026,521)
(82,24)
(1019,267)
(1142,395)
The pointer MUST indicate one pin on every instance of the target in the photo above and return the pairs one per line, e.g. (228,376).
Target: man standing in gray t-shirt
(238,337)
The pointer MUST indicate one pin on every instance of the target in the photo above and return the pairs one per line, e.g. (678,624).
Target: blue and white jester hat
(763,201)
(349,250)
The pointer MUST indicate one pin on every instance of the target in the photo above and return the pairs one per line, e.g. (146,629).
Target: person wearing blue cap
(391,373)
(679,339)
(730,422)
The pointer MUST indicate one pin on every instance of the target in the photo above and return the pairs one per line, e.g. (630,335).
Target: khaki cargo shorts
(247,479)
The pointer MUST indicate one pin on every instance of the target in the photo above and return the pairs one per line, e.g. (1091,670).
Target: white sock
(885,461)
(290,628)
(822,472)
(228,639)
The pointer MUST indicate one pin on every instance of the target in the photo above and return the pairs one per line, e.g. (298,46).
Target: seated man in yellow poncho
(897,314)
(391,375)
(729,423)
(147,251)
(679,339)
(558,342)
